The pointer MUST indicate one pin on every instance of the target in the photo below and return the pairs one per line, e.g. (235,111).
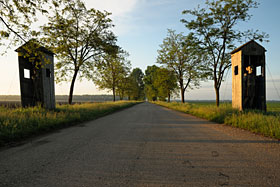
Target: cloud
(156,2)
(120,9)
(116,7)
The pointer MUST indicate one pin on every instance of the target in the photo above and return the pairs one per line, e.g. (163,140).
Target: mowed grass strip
(265,123)
(17,124)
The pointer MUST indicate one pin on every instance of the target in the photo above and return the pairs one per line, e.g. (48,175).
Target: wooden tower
(248,77)
(36,72)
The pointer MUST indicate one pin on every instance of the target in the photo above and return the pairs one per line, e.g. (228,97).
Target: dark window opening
(236,70)
(26,74)
(259,71)
(48,72)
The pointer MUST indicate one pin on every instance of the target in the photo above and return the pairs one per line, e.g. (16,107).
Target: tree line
(204,53)
(86,47)
(81,38)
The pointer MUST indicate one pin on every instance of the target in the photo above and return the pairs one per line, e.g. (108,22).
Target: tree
(78,37)
(179,54)
(215,29)
(165,82)
(16,18)
(151,91)
(111,72)
(136,91)
(129,87)
(123,88)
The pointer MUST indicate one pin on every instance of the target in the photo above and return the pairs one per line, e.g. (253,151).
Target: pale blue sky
(141,26)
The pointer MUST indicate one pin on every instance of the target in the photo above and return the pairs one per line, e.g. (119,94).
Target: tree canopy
(151,90)
(111,72)
(166,83)
(16,18)
(136,84)
(214,27)
(78,36)
(179,54)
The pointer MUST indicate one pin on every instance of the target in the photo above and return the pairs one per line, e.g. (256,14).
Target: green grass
(17,124)
(265,123)
(273,106)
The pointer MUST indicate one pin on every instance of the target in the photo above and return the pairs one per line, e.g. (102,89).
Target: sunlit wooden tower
(36,73)
(248,77)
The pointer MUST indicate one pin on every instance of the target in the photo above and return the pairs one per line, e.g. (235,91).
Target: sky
(141,26)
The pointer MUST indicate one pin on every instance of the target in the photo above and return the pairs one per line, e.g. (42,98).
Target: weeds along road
(145,145)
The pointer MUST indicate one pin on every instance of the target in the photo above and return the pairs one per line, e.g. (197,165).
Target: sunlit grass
(19,123)
(266,123)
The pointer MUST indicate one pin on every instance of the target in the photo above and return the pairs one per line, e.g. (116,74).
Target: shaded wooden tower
(248,77)
(36,72)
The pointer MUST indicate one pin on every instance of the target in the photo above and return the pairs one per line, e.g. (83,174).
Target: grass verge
(267,124)
(17,124)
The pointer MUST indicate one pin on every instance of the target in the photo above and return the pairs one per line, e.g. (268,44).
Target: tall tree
(16,18)
(179,54)
(166,83)
(123,88)
(150,89)
(215,29)
(136,84)
(111,72)
(78,36)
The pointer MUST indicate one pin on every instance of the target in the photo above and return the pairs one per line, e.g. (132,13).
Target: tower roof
(244,45)
(33,43)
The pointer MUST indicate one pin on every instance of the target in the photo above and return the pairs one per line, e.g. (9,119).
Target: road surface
(145,145)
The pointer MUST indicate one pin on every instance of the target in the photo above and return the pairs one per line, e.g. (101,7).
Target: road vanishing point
(145,145)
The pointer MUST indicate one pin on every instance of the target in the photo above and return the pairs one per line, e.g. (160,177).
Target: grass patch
(266,123)
(17,124)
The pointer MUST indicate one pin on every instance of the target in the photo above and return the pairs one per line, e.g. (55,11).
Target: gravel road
(145,145)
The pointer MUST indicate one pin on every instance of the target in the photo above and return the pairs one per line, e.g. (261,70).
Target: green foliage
(136,85)
(78,36)
(214,27)
(160,83)
(16,124)
(180,54)
(267,124)
(111,73)
(124,87)
(150,89)
(166,83)
(16,17)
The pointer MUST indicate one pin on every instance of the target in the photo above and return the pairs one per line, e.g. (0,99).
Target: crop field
(19,123)
(265,123)
(273,106)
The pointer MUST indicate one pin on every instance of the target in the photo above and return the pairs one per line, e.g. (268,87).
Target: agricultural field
(19,123)
(273,106)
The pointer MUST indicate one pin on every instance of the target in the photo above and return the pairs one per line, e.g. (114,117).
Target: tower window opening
(258,71)
(48,73)
(26,73)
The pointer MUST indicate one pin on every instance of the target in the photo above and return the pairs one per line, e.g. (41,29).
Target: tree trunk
(121,95)
(182,95)
(114,94)
(169,98)
(70,98)
(217,96)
